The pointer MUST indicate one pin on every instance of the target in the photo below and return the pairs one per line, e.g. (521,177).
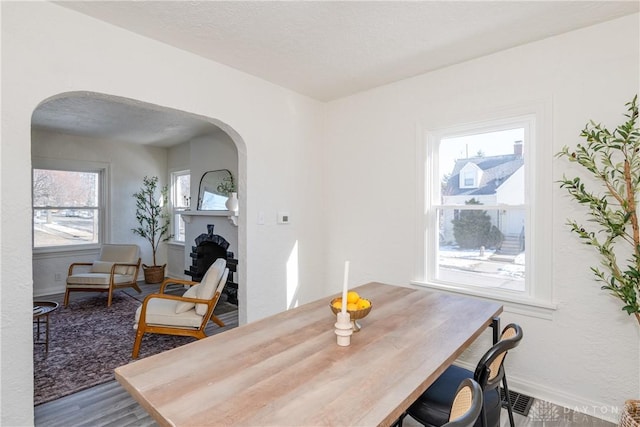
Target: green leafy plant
(473,229)
(227,186)
(613,159)
(151,214)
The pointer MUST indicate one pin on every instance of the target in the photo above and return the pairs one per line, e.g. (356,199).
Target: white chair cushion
(105,267)
(210,282)
(223,281)
(101,267)
(181,306)
(126,254)
(163,312)
(99,280)
(119,253)
(201,309)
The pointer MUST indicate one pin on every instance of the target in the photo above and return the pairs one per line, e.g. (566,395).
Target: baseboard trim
(45,292)
(569,401)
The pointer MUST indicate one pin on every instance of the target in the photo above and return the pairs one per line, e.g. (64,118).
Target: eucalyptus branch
(613,158)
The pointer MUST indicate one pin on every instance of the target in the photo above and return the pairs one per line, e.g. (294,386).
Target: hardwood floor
(110,405)
(106,404)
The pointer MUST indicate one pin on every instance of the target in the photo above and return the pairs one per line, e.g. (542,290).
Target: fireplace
(208,248)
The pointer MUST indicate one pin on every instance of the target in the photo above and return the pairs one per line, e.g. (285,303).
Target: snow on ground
(480,261)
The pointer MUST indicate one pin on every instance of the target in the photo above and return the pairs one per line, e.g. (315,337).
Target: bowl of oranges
(357,308)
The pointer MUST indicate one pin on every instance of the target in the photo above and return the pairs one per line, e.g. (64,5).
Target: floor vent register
(521,402)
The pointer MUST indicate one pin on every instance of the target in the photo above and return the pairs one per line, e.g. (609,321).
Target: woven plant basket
(630,414)
(153,273)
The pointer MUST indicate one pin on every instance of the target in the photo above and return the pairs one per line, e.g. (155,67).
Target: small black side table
(41,311)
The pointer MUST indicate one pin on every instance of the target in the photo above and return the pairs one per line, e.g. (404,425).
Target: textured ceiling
(118,119)
(331,49)
(323,49)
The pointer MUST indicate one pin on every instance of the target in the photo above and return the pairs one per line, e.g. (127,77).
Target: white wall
(48,50)
(588,352)
(211,152)
(128,164)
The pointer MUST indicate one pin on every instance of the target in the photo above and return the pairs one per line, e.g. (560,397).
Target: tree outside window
(66,207)
(479,209)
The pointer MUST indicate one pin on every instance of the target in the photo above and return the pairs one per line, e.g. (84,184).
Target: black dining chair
(467,404)
(432,408)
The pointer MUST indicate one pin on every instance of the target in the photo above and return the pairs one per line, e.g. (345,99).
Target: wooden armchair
(185,315)
(116,268)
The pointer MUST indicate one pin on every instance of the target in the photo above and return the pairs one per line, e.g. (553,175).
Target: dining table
(287,369)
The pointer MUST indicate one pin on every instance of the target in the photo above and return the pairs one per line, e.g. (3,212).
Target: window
(180,201)
(469,180)
(481,225)
(67,207)
(469,175)
(486,215)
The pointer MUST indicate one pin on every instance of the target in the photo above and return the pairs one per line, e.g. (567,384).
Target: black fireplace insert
(208,248)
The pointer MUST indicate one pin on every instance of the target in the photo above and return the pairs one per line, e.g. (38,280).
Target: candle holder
(343,329)
(355,315)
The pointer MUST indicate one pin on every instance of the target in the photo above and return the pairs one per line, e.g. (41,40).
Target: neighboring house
(491,181)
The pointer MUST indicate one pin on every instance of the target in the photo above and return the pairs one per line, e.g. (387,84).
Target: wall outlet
(57,277)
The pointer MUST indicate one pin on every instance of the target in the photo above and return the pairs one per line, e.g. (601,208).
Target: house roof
(496,170)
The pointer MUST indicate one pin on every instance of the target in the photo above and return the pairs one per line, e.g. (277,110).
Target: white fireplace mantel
(188,215)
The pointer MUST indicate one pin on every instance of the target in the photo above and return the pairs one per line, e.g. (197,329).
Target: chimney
(517,148)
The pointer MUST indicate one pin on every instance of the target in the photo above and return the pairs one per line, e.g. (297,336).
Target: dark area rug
(88,340)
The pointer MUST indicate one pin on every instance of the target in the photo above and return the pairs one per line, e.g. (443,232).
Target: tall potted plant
(612,159)
(153,223)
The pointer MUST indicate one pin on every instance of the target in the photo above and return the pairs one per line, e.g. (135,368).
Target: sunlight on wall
(292,278)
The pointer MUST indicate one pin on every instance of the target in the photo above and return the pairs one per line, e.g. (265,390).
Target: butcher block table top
(287,370)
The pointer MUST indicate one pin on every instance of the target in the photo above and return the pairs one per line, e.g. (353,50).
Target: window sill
(525,306)
(175,243)
(61,251)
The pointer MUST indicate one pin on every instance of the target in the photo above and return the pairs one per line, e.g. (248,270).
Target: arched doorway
(133,139)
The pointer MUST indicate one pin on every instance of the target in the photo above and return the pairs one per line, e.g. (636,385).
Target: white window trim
(104,201)
(174,210)
(538,301)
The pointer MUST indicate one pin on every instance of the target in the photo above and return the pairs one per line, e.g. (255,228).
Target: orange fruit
(363,303)
(352,297)
(352,306)
(337,304)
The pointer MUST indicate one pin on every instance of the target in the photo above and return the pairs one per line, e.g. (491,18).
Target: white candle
(344,287)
